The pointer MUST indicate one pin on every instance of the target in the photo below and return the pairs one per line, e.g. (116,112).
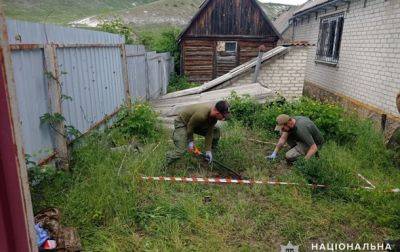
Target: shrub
(166,41)
(330,119)
(179,83)
(243,109)
(139,120)
(117,26)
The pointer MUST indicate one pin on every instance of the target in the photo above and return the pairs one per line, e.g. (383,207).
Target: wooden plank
(54,87)
(258,66)
(172,107)
(125,76)
(231,74)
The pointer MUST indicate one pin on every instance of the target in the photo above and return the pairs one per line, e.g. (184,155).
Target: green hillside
(64,11)
(139,13)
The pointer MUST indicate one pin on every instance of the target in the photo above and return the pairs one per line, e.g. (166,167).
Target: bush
(330,119)
(244,109)
(179,83)
(139,120)
(117,26)
(353,145)
(166,41)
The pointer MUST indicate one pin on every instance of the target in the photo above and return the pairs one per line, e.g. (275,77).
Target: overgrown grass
(115,211)
(179,83)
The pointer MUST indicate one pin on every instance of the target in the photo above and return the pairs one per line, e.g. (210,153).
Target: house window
(227,46)
(230,47)
(330,34)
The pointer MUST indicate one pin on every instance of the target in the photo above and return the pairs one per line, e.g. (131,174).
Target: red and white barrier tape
(366,180)
(222,181)
(241,181)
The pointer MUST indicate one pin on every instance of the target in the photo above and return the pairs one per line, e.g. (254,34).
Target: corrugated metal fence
(149,72)
(96,72)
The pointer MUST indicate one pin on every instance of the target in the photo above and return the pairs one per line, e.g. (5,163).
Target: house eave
(331,3)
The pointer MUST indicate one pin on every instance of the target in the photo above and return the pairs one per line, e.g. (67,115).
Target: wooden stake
(258,66)
(125,75)
(262,142)
(54,87)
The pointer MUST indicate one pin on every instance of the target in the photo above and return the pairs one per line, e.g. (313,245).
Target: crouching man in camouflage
(201,120)
(301,134)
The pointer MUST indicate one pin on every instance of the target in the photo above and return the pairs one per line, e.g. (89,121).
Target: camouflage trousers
(179,136)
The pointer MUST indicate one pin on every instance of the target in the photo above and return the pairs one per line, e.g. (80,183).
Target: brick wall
(369,59)
(283,74)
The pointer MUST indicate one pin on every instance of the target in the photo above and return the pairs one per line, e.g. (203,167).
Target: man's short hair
(223,108)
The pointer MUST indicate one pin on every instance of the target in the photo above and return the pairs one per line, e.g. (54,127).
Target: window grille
(330,35)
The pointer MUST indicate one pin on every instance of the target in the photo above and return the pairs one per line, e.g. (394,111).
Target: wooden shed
(222,35)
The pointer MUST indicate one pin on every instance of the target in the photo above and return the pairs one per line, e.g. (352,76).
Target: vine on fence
(52,119)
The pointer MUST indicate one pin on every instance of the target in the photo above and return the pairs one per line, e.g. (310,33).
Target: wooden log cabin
(222,35)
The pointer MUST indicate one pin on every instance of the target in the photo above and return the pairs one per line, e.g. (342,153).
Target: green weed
(138,120)
(179,83)
(116,211)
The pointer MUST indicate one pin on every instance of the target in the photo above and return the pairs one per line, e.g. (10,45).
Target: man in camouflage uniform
(201,120)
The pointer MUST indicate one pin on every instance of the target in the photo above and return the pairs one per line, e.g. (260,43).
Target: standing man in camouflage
(201,120)
(301,134)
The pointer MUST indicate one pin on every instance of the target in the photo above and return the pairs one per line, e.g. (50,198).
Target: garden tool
(197,152)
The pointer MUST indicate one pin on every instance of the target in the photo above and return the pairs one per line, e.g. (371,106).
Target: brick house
(355,57)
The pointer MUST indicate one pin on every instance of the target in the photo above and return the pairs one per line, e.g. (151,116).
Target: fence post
(147,76)
(125,75)
(160,76)
(165,74)
(55,98)
(258,65)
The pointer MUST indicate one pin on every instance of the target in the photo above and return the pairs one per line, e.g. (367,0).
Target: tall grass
(115,211)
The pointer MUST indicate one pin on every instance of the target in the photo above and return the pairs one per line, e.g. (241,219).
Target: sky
(293,2)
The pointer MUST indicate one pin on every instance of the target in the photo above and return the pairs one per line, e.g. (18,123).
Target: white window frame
(235,42)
